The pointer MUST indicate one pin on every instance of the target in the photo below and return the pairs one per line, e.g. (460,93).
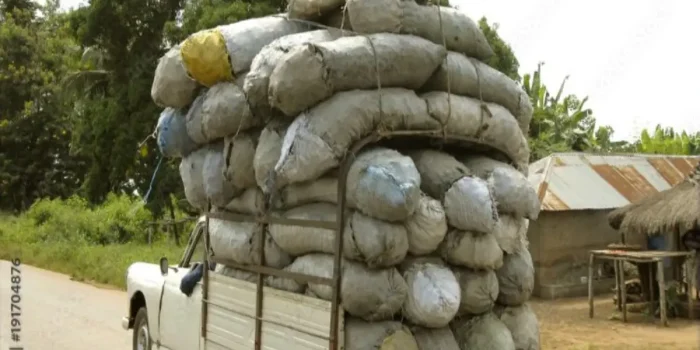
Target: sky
(634,59)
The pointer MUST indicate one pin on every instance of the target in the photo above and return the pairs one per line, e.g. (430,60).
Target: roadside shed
(665,218)
(670,212)
(577,192)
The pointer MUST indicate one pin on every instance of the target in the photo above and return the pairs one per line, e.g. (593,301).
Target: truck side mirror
(164,266)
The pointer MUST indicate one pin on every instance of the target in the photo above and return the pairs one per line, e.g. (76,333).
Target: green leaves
(503,59)
(561,122)
(35,159)
(666,141)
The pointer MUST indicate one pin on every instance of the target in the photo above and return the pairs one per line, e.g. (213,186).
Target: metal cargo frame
(434,136)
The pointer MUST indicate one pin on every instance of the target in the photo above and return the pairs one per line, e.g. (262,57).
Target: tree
(503,59)
(203,14)
(35,159)
(122,41)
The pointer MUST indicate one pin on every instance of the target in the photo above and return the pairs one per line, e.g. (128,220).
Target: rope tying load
(365,148)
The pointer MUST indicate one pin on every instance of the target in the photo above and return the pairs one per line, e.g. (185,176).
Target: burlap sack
(374,242)
(437,24)
(483,332)
(523,325)
(349,63)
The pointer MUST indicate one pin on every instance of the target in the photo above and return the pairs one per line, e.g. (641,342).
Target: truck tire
(142,334)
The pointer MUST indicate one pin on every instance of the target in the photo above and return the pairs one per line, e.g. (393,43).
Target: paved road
(59,314)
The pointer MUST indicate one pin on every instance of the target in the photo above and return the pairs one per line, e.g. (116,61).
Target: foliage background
(76,112)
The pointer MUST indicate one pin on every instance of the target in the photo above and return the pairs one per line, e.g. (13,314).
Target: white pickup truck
(163,317)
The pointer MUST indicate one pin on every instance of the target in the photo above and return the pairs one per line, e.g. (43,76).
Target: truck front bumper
(125,323)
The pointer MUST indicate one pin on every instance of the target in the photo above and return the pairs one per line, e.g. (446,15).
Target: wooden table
(643,257)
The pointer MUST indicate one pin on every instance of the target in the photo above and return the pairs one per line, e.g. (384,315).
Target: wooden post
(176,229)
(591,260)
(689,262)
(652,310)
(618,292)
(662,291)
(624,291)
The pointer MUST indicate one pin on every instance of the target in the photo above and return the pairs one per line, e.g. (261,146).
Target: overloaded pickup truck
(163,317)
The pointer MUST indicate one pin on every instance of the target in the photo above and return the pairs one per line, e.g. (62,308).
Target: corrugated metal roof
(575,181)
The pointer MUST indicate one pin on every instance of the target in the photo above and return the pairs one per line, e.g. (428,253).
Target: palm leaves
(91,79)
(559,123)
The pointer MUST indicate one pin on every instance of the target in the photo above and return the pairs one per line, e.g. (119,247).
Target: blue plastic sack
(173,141)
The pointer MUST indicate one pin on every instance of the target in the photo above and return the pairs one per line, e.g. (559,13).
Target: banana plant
(559,123)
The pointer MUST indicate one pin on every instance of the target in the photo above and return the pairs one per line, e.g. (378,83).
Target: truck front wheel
(142,336)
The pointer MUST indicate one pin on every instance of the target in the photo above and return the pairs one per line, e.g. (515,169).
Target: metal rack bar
(339,226)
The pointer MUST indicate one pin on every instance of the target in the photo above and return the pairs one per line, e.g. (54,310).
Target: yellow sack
(402,339)
(205,57)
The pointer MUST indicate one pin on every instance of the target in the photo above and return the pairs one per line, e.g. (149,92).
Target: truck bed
(290,321)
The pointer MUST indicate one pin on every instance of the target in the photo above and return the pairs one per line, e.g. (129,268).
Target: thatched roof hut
(674,210)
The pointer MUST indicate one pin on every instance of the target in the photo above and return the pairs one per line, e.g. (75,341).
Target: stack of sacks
(435,249)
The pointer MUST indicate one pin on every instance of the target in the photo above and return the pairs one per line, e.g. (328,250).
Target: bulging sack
(219,190)
(479,290)
(516,279)
(172,87)
(323,190)
(433,294)
(488,124)
(173,141)
(467,200)
(474,250)
(512,190)
(318,139)
(437,24)
(257,81)
(384,184)
(349,63)
(370,294)
(381,183)
(220,54)
(427,227)
(220,111)
(387,335)
(523,325)
(238,241)
(250,202)
(483,332)
(510,232)
(472,78)
(239,153)
(268,151)
(435,338)
(312,9)
(192,175)
(374,242)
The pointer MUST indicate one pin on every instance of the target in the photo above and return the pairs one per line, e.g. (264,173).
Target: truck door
(180,315)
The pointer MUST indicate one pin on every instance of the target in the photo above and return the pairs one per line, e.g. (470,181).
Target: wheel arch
(138,300)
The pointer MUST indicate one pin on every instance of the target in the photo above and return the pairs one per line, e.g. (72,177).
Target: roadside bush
(120,219)
(94,244)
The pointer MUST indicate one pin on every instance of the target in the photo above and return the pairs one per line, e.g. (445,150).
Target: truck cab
(161,316)
(159,313)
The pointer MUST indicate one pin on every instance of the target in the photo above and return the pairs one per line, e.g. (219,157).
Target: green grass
(89,244)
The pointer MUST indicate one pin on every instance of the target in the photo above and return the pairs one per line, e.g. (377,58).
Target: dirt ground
(564,324)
